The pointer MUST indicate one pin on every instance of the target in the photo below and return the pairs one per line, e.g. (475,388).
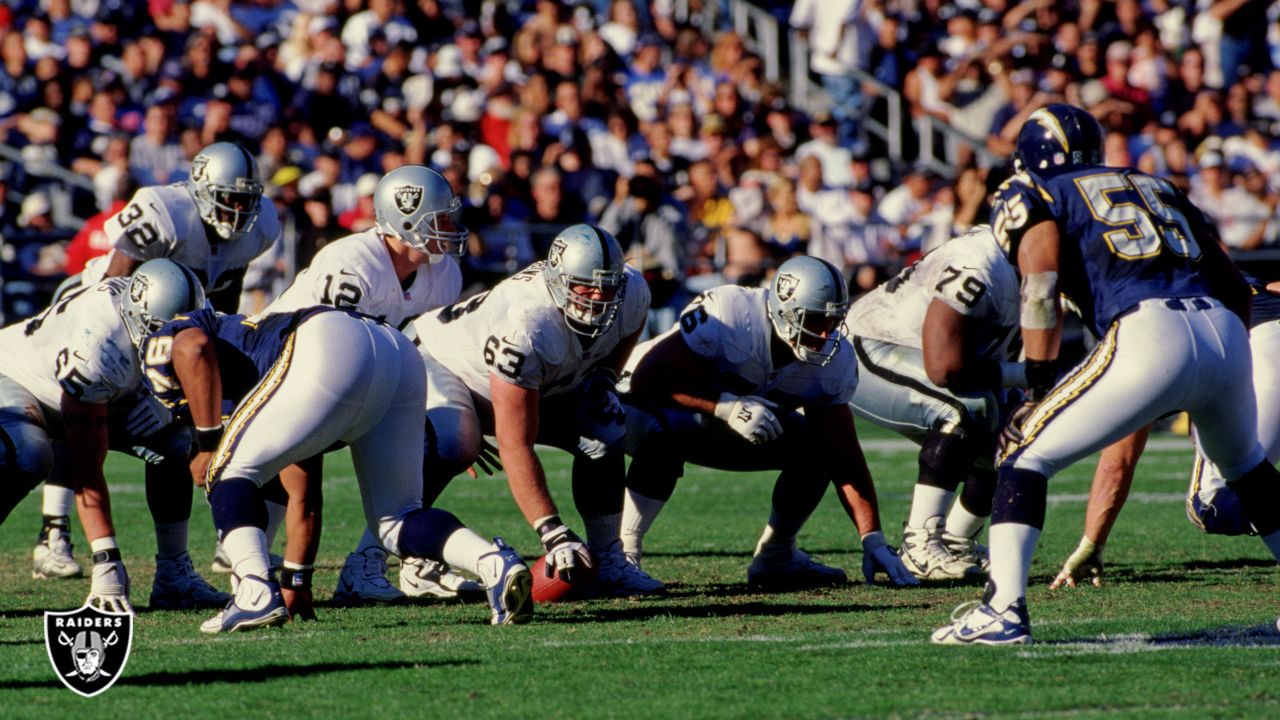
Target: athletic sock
(927,501)
(1012,545)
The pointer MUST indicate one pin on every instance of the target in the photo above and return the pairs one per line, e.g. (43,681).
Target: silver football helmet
(226,188)
(808,300)
(159,291)
(583,258)
(414,203)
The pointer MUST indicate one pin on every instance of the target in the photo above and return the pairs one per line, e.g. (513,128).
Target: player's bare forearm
(1041,313)
(516,418)
(302,520)
(1111,483)
(836,437)
(671,372)
(196,365)
(528,481)
(86,428)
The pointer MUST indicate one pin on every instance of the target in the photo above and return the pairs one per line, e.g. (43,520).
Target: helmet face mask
(415,205)
(158,291)
(226,189)
(808,301)
(586,277)
(1058,137)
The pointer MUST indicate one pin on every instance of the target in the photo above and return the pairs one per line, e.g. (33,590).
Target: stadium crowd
(542,114)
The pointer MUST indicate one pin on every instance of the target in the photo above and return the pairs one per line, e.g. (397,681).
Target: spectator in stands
(825,146)
(155,157)
(838,38)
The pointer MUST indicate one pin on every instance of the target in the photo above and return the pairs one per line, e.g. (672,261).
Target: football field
(1183,627)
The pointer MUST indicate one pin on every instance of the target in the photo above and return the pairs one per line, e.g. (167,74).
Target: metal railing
(763,33)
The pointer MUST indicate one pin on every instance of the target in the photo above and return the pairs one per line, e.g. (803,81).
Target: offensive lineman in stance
(933,348)
(721,389)
(1145,269)
(361,383)
(215,224)
(70,376)
(535,360)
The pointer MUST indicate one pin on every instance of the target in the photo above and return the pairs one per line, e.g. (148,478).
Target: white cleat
(257,603)
(422,578)
(52,557)
(363,580)
(925,556)
(787,567)
(967,550)
(179,587)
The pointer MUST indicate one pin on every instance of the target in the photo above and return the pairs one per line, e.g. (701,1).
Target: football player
(1145,270)
(1212,506)
(69,376)
(361,383)
(394,271)
(722,389)
(536,359)
(933,349)
(215,224)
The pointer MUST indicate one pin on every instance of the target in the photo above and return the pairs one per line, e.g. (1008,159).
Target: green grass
(1180,628)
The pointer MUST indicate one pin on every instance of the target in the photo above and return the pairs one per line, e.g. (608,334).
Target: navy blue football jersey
(1264,305)
(1125,236)
(246,350)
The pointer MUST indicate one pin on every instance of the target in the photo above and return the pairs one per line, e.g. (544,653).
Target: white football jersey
(730,327)
(162,222)
(78,345)
(969,273)
(356,273)
(517,331)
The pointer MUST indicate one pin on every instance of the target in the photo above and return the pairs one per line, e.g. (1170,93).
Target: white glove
(110,587)
(878,556)
(566,553)
(750,416)
(1085,562)
(147,416)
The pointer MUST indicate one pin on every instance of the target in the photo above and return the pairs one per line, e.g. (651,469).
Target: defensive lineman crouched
(1145,269)
(534,360)
(361,383)
(722,388)
(933,361)
(395,271)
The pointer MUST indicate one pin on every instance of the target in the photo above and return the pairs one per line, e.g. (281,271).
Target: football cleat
(363,580)
(179,587)
(508,584)
(790,568)
(222,564)
(924,554)
(257,603)
(967,550)
(977,623)
(52,556)
(617,576)
(430,579)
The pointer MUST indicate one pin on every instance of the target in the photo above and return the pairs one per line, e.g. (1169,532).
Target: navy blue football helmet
(1057,137)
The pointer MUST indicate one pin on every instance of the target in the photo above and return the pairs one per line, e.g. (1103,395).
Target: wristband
(105,556)
(207,438)
(547,524)
(296,578)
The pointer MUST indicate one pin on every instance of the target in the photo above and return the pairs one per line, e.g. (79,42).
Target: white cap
(37,203)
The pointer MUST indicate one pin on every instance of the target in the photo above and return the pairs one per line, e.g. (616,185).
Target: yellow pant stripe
(248,410)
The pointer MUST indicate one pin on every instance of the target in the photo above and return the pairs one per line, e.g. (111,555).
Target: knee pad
(237,503)
(423,532)
(949,452)
(1259,492)
(1020,497)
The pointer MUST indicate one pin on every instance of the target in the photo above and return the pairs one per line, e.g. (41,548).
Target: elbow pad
(1040,301)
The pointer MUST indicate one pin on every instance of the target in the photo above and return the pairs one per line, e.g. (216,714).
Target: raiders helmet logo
(556,255)
(88,647)
(787,285)
(138,288)
(198,165)
(408,198)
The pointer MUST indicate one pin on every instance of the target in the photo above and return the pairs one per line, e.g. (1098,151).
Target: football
(553,589)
